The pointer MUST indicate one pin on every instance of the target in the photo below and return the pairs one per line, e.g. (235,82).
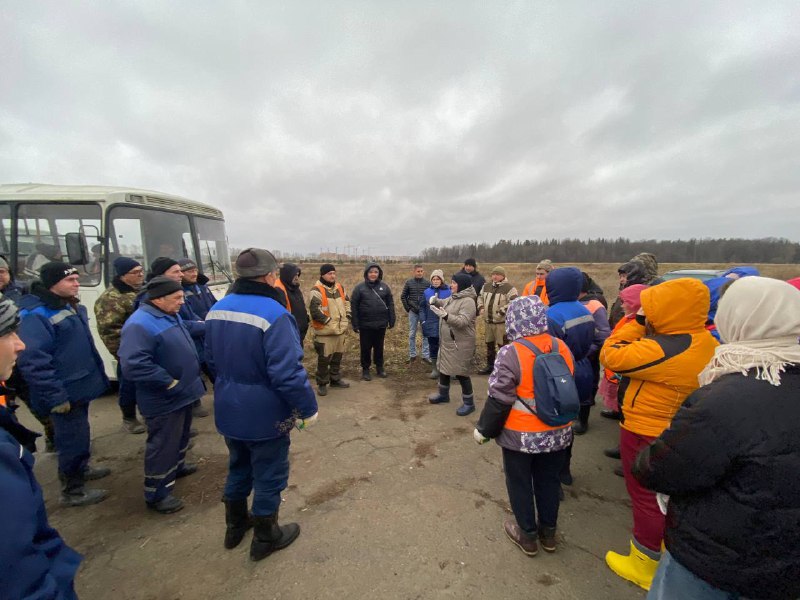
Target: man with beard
(289,284)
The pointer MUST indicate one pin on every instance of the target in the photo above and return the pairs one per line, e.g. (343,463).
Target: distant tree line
(724,250)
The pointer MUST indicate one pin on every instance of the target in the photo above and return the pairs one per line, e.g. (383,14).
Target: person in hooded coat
(717,285)
(289,284)
(457,341)
(632,272)
(659,356)
(430,321)
(533,452)
(372,312)
(730,458)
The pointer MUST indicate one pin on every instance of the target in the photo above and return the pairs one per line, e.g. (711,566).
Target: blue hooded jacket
(60,362)
(254,349)
(34,560)
(155,349)
(571,321)
(715,286)
(430,322)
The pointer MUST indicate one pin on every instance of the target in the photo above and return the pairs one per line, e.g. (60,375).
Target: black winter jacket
(730,462)
(296,299)
(478,282)
(413,293)
(372,304)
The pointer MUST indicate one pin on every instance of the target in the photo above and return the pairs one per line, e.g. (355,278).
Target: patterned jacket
(111,310)
(494,299)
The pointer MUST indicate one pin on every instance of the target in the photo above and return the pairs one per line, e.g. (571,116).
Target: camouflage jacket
(111,310)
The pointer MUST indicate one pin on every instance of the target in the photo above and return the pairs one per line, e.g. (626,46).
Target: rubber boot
(637,567)
(268,536)
(491,353)
(75,493)
(237,521)
(581,426)
(434,373)
(440,397)
(467,406)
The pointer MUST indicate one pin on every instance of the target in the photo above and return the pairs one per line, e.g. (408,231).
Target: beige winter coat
(457,333)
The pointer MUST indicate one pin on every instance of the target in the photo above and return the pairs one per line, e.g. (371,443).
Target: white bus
(90,226)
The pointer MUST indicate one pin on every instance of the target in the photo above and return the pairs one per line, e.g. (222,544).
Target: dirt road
(394,498)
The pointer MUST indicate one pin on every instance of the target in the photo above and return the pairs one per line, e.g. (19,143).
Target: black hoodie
(371,303)
(296,300)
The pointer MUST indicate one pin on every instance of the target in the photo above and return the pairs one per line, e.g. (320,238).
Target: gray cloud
(400,126)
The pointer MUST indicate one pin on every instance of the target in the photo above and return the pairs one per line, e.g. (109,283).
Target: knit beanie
(9,317)
(160,265)
(437,273)
(546,264)
(471,262)
(498,270)
(186,263)
(326,268)
(255,262)
(462,280)
(3,263)
(161,286)
(53,272)
(124,265)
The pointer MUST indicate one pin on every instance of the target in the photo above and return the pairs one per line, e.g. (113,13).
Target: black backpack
(555,395)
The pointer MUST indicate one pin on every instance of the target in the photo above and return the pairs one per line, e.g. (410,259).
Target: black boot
(237,521)
(365,374)
(268,536)
(490,356)
(381,372)
(442,396)
(75,493)
(467,406)
(581,426)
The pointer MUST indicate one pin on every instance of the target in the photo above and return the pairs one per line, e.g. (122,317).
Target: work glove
(308,421)
(479,437)
(61,409)
(432,300)
(439,312)
(173,384)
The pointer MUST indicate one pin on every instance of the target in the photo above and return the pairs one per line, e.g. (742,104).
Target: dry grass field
(605,274)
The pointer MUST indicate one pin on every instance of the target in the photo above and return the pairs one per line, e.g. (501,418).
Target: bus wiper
(217,265)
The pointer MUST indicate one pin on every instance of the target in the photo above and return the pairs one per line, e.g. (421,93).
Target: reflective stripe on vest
(280,286)
(520,418)
(324,307)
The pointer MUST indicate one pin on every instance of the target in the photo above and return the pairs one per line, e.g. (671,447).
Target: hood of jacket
(465,293)
(377,266)
(564,285)
(526,316)
(650,265)
(287,273)
(677,306)
(742,272)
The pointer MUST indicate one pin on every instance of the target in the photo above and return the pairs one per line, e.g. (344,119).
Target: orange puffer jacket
(660,370)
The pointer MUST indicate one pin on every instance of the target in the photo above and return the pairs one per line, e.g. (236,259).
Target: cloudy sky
(402,125)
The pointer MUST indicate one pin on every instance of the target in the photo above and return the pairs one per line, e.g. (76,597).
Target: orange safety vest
(537,287)
(520,418)
(324,307)
(280,286)
(593,305)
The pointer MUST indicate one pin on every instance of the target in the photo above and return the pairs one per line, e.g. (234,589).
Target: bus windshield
(214,258)
(145,234)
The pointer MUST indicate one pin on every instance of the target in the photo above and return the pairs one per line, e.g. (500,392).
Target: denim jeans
(263,466)
(673,580)
(413,322)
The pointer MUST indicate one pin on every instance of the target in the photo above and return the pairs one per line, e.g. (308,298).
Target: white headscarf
(759,319)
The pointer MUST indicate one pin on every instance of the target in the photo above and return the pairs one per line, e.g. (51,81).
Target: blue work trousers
(165,452)
(413,323)
(127,395)
(262,467)
(71,436)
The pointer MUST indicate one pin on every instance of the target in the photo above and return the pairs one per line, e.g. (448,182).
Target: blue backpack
(555,395)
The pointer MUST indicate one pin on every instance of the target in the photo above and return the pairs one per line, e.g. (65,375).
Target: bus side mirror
(77,249)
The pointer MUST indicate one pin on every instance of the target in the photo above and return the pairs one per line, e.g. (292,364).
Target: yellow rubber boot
(637,567)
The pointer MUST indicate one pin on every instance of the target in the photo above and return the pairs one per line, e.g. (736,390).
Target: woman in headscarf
(533,452)
(731,457)
(456,341)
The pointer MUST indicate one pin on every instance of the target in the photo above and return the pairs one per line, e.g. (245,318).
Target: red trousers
(648,522)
